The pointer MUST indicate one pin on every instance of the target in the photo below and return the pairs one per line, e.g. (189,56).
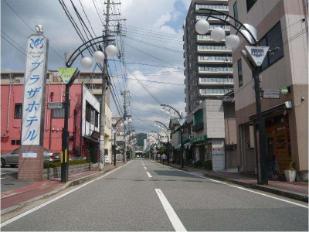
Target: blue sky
(153,48)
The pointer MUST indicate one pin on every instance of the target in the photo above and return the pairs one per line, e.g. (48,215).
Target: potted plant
(290,174)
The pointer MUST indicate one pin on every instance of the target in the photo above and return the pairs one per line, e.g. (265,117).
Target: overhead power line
(29,27)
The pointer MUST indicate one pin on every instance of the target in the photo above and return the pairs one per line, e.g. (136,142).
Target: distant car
(11,158)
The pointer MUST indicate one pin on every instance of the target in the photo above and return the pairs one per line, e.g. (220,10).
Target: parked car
(12,157)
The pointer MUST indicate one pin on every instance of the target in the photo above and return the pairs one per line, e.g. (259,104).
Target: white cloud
(147,20)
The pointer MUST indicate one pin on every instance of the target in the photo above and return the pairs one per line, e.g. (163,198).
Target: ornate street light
(181,118)
(100,57)
(254,56)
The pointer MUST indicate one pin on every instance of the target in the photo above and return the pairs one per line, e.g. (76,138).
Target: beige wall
(291,70)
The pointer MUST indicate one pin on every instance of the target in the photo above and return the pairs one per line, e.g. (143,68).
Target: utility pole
(104,86)
(125,95)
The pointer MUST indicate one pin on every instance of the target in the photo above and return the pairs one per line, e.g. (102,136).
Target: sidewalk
(15,198)
(296,190)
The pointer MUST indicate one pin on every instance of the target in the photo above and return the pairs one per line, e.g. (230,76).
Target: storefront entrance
(279,150)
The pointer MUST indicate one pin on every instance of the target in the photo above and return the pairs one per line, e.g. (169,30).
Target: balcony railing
(225,70)
(213,48)
(215,59)
(213,7)
(216,81)
(198,17)
(214,92)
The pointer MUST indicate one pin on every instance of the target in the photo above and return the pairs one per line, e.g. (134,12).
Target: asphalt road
(145,195)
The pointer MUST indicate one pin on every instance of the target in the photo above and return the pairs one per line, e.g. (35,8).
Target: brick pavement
(33,190)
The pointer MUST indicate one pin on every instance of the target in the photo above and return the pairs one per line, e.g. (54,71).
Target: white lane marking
(174,219)
(57,198)
(246,189)
(149,175)
(145,168)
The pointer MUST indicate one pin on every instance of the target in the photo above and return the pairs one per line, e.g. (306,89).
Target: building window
(235,11)
(198,122)
(18,111)
(96,119)
(88,112)
(273,39)
(250,4)
(240,77)
(15,142)
(58,113)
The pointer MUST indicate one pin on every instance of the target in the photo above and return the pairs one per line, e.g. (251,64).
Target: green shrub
(207,165)
(55,164)
(198,164)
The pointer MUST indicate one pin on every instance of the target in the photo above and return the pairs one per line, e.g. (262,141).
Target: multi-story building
(93,81)
(208,64)
(208,77)
(83,120)
(283,26)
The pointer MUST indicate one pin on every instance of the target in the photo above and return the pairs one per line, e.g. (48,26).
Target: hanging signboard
(271,93)
(55,105)
(66,74)
(257,54)
(33,109)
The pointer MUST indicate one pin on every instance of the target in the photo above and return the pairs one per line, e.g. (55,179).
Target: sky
(153,48)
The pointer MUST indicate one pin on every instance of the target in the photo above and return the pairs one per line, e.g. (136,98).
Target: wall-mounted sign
(33,109)
(29,155)
(271,93)
(55,105)
(257,54)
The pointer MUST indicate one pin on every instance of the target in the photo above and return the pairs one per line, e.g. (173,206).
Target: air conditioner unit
(19,80)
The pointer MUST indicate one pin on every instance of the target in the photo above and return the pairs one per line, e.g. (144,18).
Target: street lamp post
(161,125)
(254,56)
(100,57)
(181,121)
(65,133)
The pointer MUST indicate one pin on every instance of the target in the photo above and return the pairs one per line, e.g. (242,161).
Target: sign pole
(65,132)
(260,123)
(254,57)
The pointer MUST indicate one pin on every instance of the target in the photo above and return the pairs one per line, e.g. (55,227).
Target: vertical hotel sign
(33,106)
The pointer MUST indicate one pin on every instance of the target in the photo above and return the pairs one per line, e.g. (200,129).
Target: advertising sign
(29,155)
(66,74)
(33,89)
(55,105)
(257,54)
(271,93)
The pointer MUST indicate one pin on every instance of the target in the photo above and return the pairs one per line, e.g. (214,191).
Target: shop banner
(33,105)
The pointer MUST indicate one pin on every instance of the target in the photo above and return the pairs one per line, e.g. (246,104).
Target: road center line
(174,219)
(149,175)
(145,168)
(58,197)
(246,189)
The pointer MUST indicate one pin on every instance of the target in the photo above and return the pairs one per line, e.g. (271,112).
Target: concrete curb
(274,190)
(54,192)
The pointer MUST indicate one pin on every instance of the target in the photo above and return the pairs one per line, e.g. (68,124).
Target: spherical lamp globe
(232,42)
(111,51)
(202,26)
(99,57)
(252,30)
(217,34)
(86,62)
